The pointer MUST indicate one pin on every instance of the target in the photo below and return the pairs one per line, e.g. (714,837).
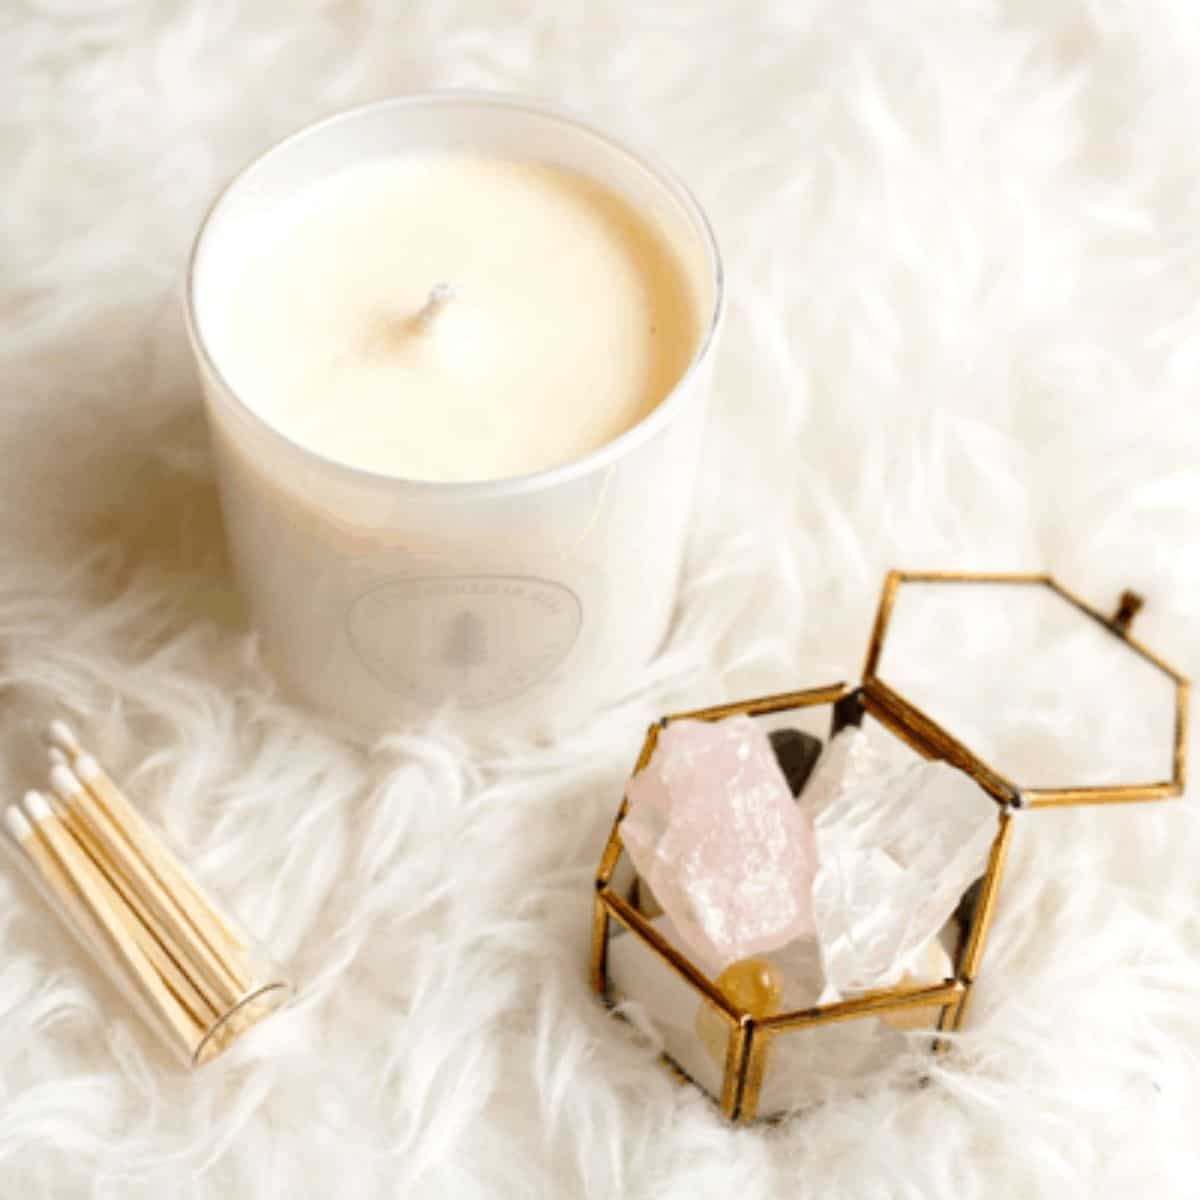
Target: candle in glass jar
(456,354)
(451,316)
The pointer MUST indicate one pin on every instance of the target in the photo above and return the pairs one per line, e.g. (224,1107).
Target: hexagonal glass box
(944,646)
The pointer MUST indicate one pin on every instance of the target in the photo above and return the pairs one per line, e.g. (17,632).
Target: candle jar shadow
(153,518)
(111,488)
(164,516)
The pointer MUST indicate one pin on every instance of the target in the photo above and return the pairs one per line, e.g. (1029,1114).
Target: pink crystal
(713,829)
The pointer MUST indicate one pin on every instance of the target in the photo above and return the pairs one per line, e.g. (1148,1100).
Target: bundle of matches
(137,909)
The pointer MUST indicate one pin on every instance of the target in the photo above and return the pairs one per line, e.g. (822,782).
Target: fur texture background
(963,332)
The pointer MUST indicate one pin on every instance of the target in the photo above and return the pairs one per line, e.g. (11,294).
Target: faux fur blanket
(963,333)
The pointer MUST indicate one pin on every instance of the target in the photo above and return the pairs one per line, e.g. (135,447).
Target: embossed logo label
(475,639)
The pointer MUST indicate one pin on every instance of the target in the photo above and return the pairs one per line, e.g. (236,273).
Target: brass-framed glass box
(944,645)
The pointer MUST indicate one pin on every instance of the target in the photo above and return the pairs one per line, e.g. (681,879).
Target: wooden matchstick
(55,880)
(221,982)
(74,880)
(219,931)
(156,942)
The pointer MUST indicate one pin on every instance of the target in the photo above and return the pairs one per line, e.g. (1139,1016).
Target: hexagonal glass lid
(1043,698)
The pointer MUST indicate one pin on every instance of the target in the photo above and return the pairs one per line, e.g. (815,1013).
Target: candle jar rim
(597,459)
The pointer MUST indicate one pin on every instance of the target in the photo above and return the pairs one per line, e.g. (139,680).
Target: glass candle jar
(517,601)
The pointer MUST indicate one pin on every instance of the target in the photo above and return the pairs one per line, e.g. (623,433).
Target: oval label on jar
(477,639)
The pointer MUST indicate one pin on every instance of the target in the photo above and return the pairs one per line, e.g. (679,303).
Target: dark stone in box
(797,753)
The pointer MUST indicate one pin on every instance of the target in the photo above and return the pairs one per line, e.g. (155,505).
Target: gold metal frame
(750,1038)
(930,739)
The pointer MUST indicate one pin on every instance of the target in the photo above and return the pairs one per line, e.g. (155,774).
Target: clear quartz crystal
(897,847)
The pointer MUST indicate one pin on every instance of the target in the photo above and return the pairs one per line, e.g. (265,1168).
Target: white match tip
(59,733)
(64,781)
(37,806)
(17,824)
(86,767)
(58,756)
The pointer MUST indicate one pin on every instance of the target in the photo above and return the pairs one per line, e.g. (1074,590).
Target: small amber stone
(753,985)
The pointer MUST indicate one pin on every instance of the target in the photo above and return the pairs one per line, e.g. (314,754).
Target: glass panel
(801,1066)
(809,1065)
(657,1000)
(624,877)
(1030,684)
(812,1065)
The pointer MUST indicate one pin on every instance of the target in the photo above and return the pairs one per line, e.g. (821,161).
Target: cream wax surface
(561,317)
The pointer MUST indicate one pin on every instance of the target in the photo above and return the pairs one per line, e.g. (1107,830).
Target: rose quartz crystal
(713,829)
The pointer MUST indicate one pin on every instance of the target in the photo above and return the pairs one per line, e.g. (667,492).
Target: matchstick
(153,938)
(213,925)
(221,932)
(75,910)
(157,945)
(220,981)
(74,880)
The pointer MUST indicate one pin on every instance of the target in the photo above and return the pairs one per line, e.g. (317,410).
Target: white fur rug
(963,332)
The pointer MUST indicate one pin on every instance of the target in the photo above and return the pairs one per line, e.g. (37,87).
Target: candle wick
(439,296)
(390,333)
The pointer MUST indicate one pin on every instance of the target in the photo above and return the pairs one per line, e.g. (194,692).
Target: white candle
(505,321)
(452,316)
